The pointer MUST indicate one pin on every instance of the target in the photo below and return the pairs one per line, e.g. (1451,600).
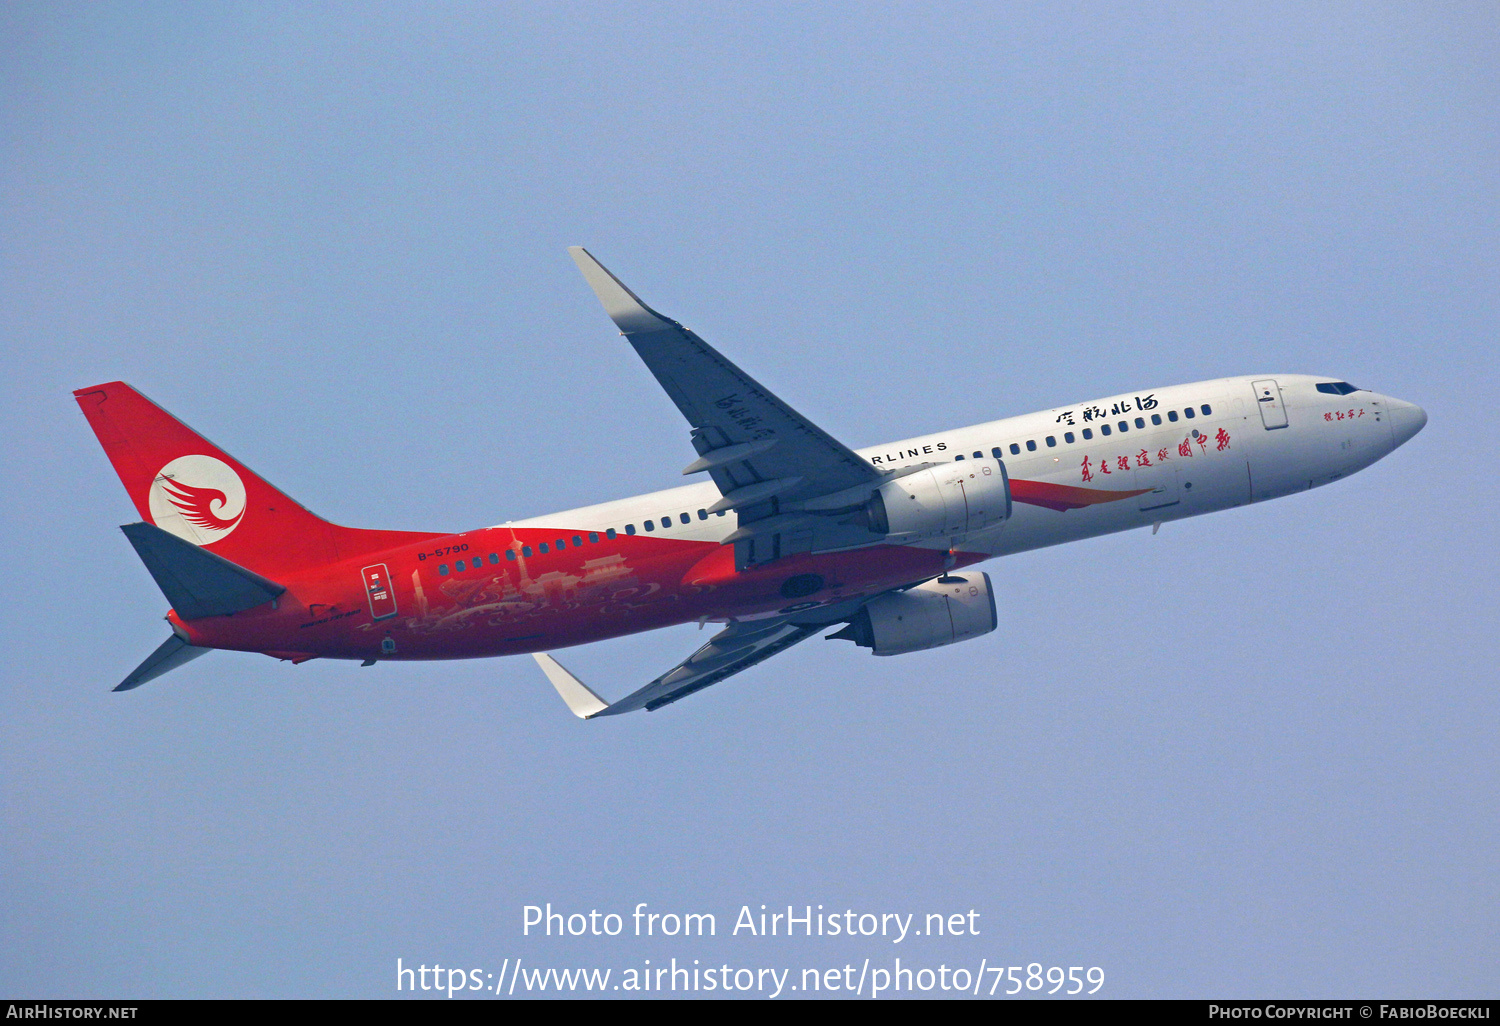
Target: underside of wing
(737,647)
(765,457)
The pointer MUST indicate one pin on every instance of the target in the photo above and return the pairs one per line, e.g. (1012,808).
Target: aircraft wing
(737,647)
(758,450)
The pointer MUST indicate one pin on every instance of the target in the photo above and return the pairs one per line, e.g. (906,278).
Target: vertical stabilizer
(189,487)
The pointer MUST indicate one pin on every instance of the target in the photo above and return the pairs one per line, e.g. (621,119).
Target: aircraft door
(377,582)
(1268,397)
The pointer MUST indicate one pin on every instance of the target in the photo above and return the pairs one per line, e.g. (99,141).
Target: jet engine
(949,499)
(955,607)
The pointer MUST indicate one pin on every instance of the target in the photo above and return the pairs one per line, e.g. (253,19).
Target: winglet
(580,700)
(623,306)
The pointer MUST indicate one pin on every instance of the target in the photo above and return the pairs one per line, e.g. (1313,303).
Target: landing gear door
(1268,398)
(377,580)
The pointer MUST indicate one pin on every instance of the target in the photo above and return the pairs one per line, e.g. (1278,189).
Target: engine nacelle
(952,608)
(952,499)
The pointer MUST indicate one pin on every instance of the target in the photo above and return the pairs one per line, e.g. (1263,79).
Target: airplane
(792,534)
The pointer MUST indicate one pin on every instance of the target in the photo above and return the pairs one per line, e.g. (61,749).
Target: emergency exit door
(1268,398)
(378,587)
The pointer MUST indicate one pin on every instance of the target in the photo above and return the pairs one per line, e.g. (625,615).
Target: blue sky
(1251,756)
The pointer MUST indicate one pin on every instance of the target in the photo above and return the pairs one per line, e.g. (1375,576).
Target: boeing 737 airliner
(793,533)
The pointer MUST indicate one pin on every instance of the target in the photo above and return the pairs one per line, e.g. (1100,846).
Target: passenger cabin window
(510,554)
(577,542)
(1172,416)
(442,569)
(460,566)
(651,525)
(1015,450)
(630,529)
(1068,437)
(1208,411)
(593,537)
(1051,441)
(1188,413)
(526,551)
(1124,426)
(494,558)
(1140,422)
(542,548)
(562,543)
(1088,433)
(1156,418)
(1031,445)
(978,455)
(1104,429)
(997,452)
(958,457)
(703,514)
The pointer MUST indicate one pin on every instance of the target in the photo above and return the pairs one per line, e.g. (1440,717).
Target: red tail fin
(183,483)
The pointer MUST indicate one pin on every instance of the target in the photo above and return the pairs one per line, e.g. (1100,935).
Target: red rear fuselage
(413,601)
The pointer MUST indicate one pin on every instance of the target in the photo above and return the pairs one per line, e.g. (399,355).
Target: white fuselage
(1237,452)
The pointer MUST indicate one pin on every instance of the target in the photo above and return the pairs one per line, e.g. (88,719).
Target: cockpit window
(1337,387)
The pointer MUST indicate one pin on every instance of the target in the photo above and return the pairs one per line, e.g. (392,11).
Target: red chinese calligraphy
(1339,415)
(1123,462)
(1087,476)
(1142,460)
(1104,465)
(1202,443)
(1161,455)
(1223,439)
(1186,448)
(1327,416)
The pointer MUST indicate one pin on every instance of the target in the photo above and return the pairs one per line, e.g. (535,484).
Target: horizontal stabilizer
(171,654)
(197,582)
(580,700)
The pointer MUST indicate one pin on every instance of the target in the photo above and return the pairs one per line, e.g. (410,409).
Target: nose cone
(1406,420)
